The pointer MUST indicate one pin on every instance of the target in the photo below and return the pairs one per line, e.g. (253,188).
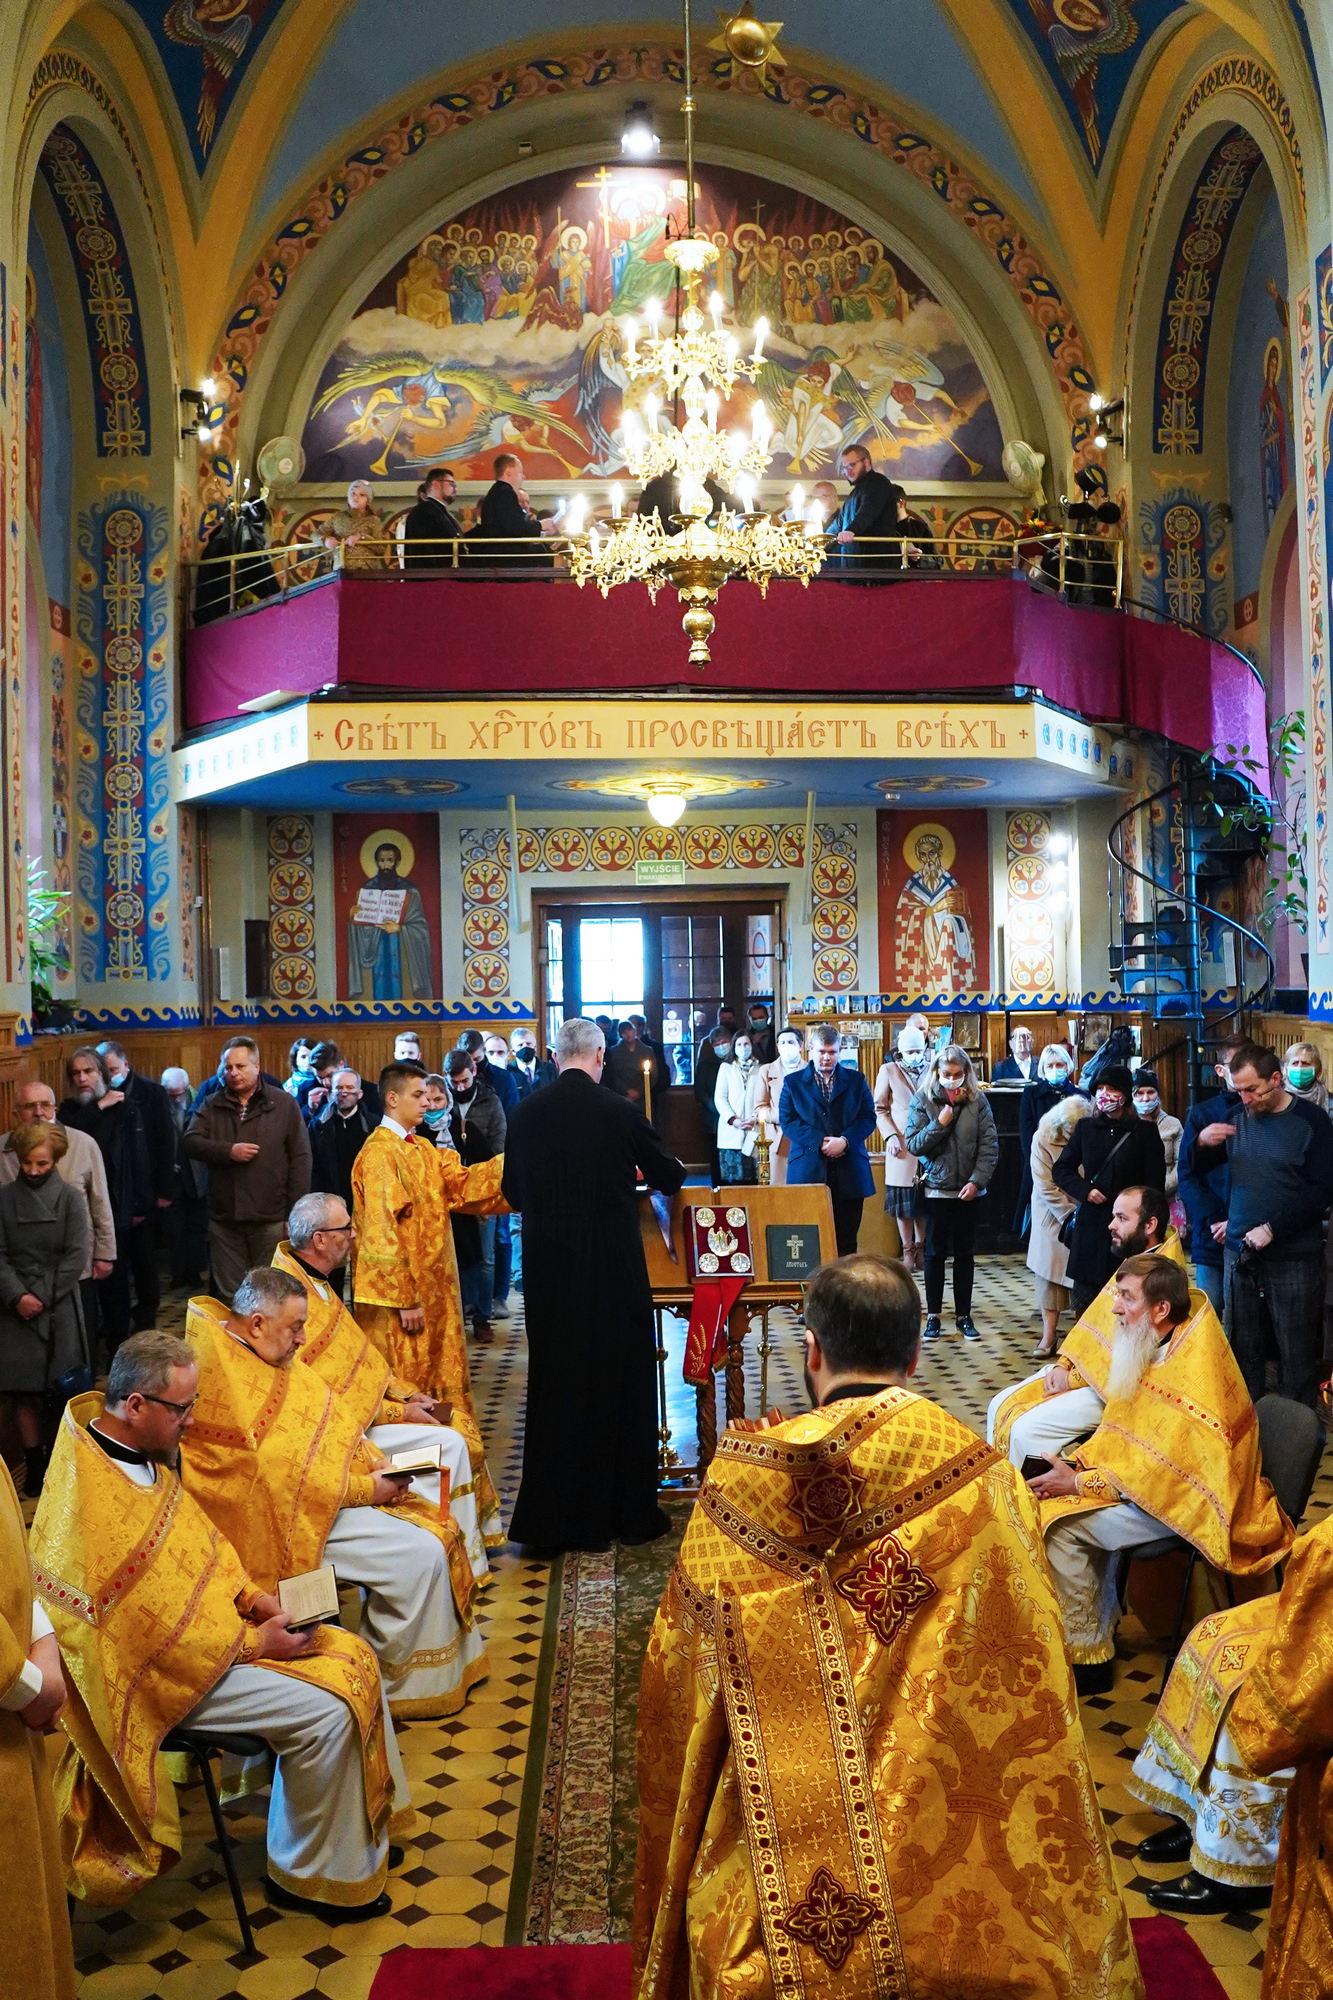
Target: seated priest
(844,1789)
(161,1628)
(282,1467)
(1176,1453)
(1251,1784)
(393,1415)
(405,1286)
(1065,1400)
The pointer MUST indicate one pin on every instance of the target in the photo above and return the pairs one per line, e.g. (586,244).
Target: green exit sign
(659,874)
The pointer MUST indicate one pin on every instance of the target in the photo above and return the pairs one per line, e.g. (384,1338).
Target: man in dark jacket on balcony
(1114,1150)
(430,526)
(252,1138)
(871,508)
(506,515)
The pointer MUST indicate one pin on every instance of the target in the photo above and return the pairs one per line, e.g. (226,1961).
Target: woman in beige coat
(904,1200)
(1048,1258)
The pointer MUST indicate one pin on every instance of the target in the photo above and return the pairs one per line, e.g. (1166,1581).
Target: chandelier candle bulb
(631,341)
(715,307)
(760,336)
(617,499)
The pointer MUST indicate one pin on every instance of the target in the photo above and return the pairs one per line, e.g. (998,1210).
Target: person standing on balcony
(506,515)
(430,527)
(1280,1153)
(870,509)
(361,533)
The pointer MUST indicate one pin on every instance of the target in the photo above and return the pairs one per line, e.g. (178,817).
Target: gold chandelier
(698,364)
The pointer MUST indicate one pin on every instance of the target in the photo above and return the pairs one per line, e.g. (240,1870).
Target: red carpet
(1174,1968)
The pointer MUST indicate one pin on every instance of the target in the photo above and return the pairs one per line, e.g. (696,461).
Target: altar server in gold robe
(160,1627)
(1065,1400)
(394,1415)
(284,1470)
(861,1766)
(34,1925)
(1176,1452)
(405,1285)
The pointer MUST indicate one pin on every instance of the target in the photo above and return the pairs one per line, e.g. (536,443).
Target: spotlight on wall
(200,401)
(1110,421)
(666,805)
(638,138)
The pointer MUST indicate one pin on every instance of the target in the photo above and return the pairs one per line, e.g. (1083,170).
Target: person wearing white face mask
(1148,1104)
(768,1095)
(904,1198)
(1054,1079)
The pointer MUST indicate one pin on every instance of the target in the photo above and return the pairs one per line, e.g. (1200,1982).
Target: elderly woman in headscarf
(367,541)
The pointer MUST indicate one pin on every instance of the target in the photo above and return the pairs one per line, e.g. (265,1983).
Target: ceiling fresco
(503,330)
(206,47)
(1090,49)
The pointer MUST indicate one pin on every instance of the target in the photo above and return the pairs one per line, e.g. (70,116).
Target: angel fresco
(1080,35)
(221,30)
(505,327)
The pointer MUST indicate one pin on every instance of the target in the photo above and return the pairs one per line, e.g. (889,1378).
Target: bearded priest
(280,1465)
(1065,1401)
(393,1415)
(859,1749)
(405,1284)
(1176,1453)
(161,1628)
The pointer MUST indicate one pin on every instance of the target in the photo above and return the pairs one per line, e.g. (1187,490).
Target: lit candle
(631,336)
(653,309)
(715,307)
(711,405)
(759,421)
(760,336)
(594,540)
(798,500)
(746,489)
(650,411)
(617,499)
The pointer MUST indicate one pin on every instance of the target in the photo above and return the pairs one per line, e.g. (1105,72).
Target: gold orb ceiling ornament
(749,41)
(644,786)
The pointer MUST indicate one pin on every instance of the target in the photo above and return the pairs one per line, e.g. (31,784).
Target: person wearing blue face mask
(438,1103)
(1304,1070)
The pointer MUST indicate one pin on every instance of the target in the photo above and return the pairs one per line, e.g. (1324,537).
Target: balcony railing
(1078,568)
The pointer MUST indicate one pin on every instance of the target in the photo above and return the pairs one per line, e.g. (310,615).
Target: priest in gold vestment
(861,1766)
(394,1415)
(405,1286)
(34,1925)
(285,1471)
(161,1627)
(1176,1452)
(1065,1400)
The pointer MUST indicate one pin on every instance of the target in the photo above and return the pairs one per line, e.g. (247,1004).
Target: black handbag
(1070,1223)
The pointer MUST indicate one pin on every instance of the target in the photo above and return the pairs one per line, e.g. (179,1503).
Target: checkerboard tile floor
(179,1938)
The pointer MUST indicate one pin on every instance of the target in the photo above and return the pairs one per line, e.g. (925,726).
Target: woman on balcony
(363,535)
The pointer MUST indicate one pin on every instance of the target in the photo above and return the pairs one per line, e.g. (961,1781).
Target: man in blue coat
(1207,1195)
(827,1113)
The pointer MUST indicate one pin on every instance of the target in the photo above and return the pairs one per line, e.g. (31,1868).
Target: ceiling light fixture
(665,805)
(698,365)
(638,136)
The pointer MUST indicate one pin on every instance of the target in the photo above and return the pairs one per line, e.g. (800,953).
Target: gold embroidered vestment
(857,1729)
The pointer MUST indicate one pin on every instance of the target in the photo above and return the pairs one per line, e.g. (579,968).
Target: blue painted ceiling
(206,47)
(1090,49)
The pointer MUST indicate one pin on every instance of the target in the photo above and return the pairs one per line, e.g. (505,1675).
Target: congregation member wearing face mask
(1106,1153)
(529,1070)
(1303,1068)
(1148,1104)
(951,1131)
(772,1075)
(904,1197)
(1206,1195)
(1053,1081)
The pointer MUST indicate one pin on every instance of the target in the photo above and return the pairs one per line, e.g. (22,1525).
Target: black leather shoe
(1098,1678)
(933,1327)
(396,1857)
(1193,1895)
(967,1327)
(328,1913)
(1171,1842)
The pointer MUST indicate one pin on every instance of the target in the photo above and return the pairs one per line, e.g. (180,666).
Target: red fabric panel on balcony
(927,635)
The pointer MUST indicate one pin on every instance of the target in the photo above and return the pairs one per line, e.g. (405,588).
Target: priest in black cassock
(590,1446)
